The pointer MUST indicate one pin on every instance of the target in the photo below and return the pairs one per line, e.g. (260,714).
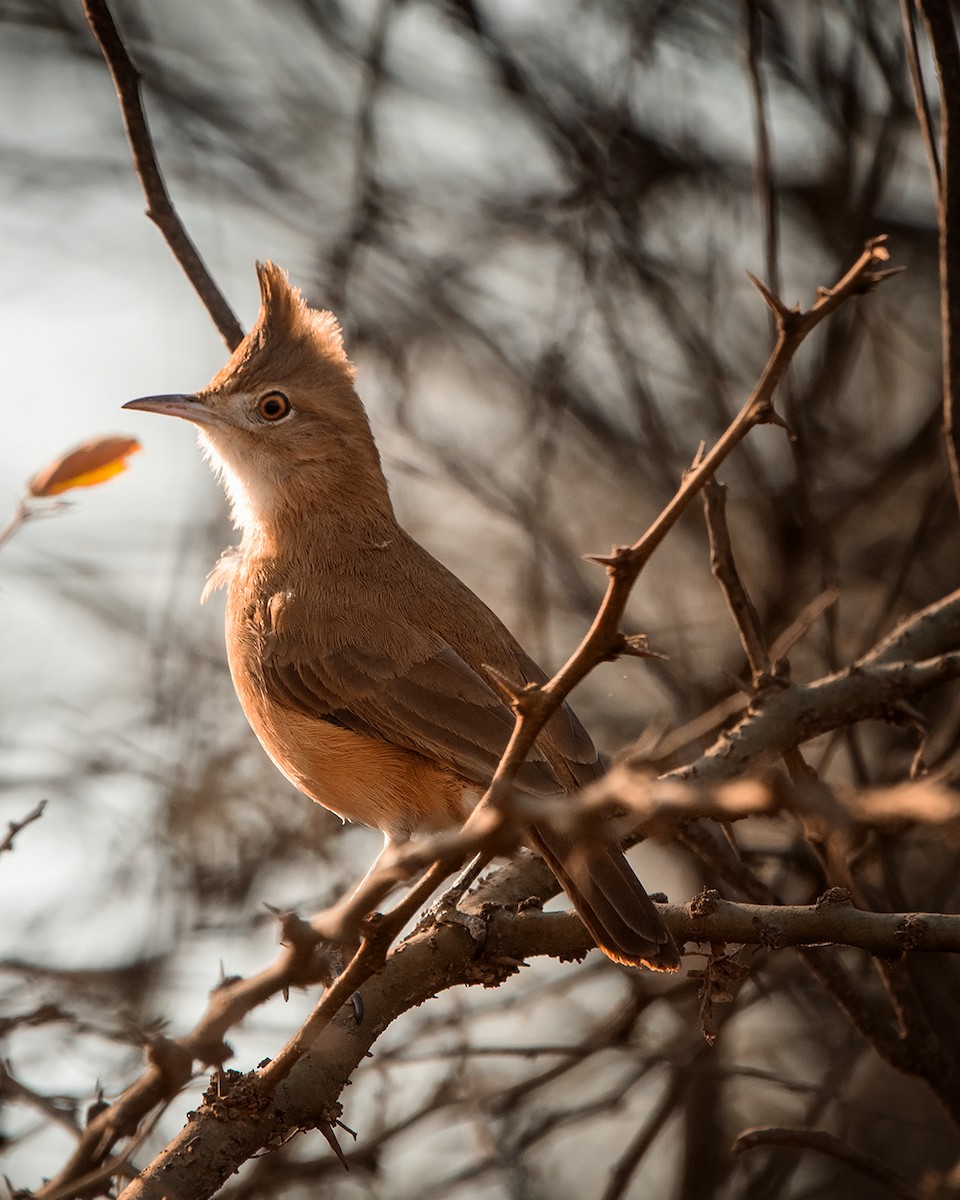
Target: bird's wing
(399,684)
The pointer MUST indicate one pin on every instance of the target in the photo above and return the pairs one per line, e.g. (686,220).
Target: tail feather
(619,915)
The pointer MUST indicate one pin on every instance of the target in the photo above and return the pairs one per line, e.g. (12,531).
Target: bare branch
(827,1143)
(942,31)
(14,827)
(160,210)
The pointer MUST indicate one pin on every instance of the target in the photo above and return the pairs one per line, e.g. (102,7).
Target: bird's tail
(619,915)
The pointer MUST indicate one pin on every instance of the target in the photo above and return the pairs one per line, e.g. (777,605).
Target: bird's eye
(273,406)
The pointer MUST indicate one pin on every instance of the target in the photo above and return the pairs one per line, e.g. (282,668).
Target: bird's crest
(285,329)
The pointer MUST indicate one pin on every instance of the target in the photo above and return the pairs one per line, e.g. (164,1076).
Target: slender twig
(766,181)
(942,31)
(724,568)
(14,827)
(626,1165)
(535,705)
(826,1143)
(921,100)
(20,514)
(365,204)
(126,79)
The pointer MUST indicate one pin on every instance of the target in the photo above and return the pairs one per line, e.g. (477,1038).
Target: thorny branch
(489,829)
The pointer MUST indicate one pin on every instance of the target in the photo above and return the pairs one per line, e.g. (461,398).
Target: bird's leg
(338,954)
(389,845)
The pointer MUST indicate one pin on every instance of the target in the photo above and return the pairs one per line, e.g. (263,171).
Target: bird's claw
(446,912)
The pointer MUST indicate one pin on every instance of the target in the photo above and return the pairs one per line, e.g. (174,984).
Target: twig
(20,514)
(920,97)
(724,568)
(792,714)
(604,640)
(827,1143)
(766,183)
(14,827)
(946,54)
(626,1165)
(126,79)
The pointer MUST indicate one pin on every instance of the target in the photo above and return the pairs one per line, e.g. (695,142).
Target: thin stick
(920,97)
(826,1143)
(766,181)
(126,79)
(603,640)
(946,53)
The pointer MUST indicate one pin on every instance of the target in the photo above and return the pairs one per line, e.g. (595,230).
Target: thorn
(510,687)
(327,1130)
(616,563)
(698,457)
(635,645)
(774,303)
(873,278)
(772,417)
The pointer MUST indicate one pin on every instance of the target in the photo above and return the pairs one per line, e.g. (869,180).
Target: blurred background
(534,220)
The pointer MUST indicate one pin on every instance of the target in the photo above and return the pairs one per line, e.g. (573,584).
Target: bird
(359,660)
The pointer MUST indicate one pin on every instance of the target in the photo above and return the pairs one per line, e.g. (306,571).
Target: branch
(938,17)
(126,79)
(14,827)
(791,715)
(920,98)
(827,1143)
(724,568)
(604,640)
(211,1147)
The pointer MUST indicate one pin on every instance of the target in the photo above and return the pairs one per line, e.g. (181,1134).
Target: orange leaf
(87,465)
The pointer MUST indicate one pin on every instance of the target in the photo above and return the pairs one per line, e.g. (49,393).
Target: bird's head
(281,422)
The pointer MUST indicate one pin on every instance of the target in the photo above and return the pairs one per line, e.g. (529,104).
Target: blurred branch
(126,79)
(908,10)
(826,1143)
(724,568)
(14,827)
(942,31)
(766,183)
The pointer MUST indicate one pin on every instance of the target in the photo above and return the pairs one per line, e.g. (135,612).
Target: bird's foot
(446,912)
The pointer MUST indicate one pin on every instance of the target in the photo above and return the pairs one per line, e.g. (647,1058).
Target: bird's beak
(191,408)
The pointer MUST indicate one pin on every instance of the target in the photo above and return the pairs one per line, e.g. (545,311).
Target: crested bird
(359,659)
